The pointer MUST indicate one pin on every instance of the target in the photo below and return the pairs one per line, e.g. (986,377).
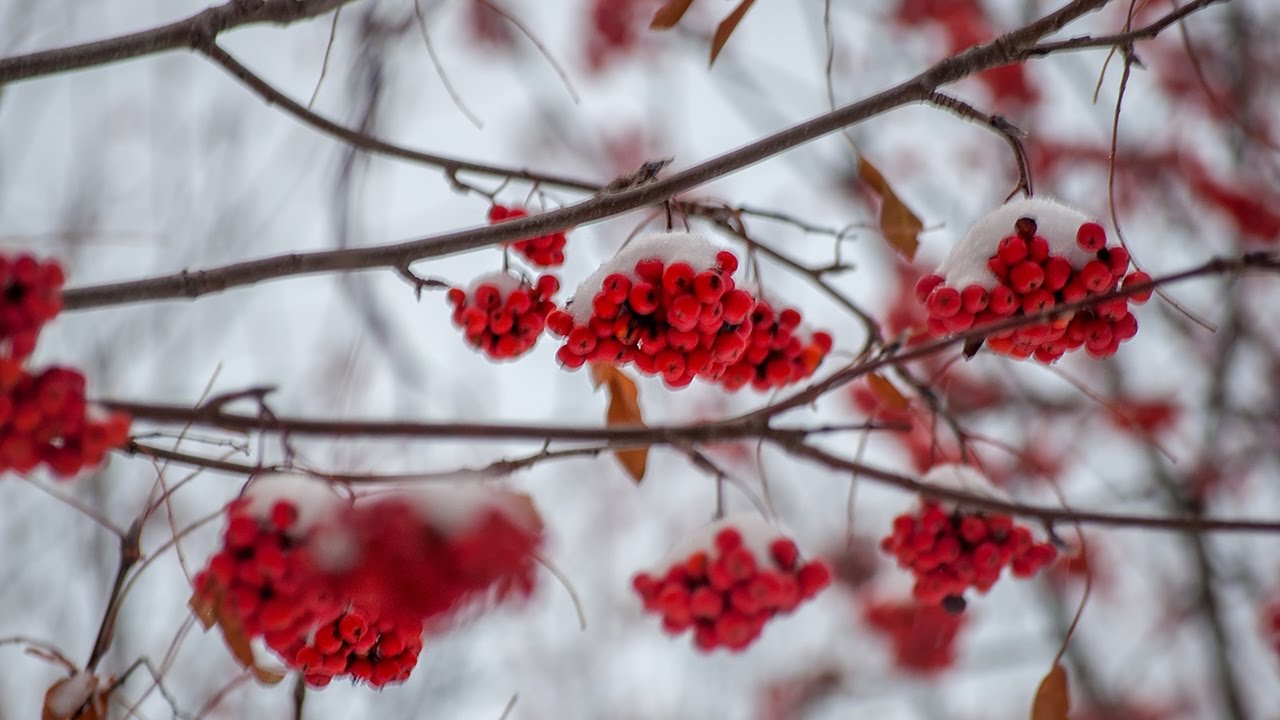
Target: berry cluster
(1059,258)
(503,315)
(44,419)
(544,251)
(1271,624)
(923,636)
(375,652)
(669,305)
(488,552)
(324,583)
(29,298)
(951,552)
(727,592)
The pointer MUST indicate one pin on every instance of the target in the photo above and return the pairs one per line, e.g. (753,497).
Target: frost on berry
(1026,258)
(44,420)
(950,549)
(669,305)
(30,296)
(465,546)
(922,635)
(502,314)
(542,251)
(726,582)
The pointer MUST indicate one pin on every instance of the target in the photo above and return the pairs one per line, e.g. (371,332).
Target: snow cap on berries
(314,501)
(1055,222)
(670,247)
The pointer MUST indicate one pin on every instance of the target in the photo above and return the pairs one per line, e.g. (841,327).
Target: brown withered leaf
(726,28)
(900,227)
(886,393)
(668,16)
(209,611)
(70,694)
(1052,700)
(624,411)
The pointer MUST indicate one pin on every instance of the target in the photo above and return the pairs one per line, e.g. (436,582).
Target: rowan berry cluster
(923,636)
(669,305)
(726,590)
(1042,256)
(503,315)
(44,419)
(1271,624)
(29,298)
(543,251)
(324,583)
(950,552)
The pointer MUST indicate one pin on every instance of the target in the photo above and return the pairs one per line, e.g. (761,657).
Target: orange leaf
(886,393)
(898,224)
(624,411)
(1052,701)
(726,28)
(69,694)
(210,611)
(668,16)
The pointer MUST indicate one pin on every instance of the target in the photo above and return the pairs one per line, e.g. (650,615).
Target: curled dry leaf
(668,16)
(900,227)
(209,611)
(1052,700)
(726,28)
(624,411)
(886,393)
(78,696)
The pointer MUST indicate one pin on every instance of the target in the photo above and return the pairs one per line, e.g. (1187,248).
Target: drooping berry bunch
(728,582)
(338,589)
(44,419)
(669,305)
(923,636)
(503,315)
(1026,258)
(543,251)
(950,552)
(29,298)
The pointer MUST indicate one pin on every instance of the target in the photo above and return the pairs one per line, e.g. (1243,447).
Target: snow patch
(314,499)
(1055,222)
(506,283)
(757,535)
(694,248)
(454,509)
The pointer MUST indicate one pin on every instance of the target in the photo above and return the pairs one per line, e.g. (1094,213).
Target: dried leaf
(668,16)
(1052,701)
(209,611)
(886,393)
(69,694)
(726,28)
(900,227)
(624,411)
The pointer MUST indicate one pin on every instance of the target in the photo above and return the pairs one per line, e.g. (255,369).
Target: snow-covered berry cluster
(502,314)
(669,305)
(923,636)
(728,581)
(29,298)
(950,549)
(324,584)
(44,419)
(543,251)
(1028,257)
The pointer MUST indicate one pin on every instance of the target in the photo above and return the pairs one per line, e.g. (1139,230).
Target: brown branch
(130,553)
(999,125)
(181,35)
(1006,49)
(1047,515)
(1146,32)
